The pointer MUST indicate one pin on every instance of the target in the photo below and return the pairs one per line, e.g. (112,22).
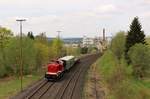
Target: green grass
(148,40)
(10,86)
(119,81)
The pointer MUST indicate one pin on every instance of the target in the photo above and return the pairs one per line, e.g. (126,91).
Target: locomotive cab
(55,70)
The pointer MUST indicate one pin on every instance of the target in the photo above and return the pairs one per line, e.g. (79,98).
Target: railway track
(68,90)
(36,90)
(40,92)
(62,92)
(69,87)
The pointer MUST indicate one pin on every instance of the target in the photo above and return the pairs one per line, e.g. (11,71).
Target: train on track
(57,68)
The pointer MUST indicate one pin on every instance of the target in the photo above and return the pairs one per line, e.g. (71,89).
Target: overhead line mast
(21,64)
(58,35)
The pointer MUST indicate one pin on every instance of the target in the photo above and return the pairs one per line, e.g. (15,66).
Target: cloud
(45,3)
(73,17)
(146,1)
(145,14)
(105,8)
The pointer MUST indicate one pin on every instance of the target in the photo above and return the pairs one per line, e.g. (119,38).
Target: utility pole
(58,33)
(21,64)
(104,34)
(104,40)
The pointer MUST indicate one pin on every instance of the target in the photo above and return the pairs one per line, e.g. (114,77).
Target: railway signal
(21,65)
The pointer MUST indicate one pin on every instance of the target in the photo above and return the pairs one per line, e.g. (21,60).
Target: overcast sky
(74,18)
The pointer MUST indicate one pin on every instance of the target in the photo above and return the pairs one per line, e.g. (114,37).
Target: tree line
(36,52)
(125,66)
(132,47)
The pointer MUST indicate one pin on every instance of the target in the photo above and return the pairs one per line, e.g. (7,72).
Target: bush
(118,81)
(118,45)
(84,50)
(3,71)
(140,60)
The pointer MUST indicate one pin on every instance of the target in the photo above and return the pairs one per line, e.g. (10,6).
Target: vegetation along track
(69,87)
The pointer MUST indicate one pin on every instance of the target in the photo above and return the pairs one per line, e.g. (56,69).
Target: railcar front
(54,70)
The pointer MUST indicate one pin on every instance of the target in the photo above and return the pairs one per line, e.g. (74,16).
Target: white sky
(74,18)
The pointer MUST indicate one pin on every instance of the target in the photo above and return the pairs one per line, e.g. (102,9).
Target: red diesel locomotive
(56,68)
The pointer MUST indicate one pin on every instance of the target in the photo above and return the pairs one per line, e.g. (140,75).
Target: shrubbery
(140,60)
(118,80)
(84,50)
(118,45)
(127,60)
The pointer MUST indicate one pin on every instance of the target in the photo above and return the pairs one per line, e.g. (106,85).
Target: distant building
(97,42)
(72,45)
(86,42)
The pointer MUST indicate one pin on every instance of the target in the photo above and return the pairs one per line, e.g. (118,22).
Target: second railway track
(65,88)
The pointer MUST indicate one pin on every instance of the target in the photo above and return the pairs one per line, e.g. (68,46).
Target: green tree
(42,38)
(30,35)
(42,50)
(84,50)
(140,59)
(135,35)
(28,55)
(118,44)
(57,48)
(42,55)
(5,35)
(73,51)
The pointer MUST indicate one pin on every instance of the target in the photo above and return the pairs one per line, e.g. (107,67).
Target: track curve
(69,87)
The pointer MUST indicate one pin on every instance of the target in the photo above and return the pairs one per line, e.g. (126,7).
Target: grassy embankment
(118,80)
(10,86)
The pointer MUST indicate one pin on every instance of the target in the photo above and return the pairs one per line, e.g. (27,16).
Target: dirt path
(93,86)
